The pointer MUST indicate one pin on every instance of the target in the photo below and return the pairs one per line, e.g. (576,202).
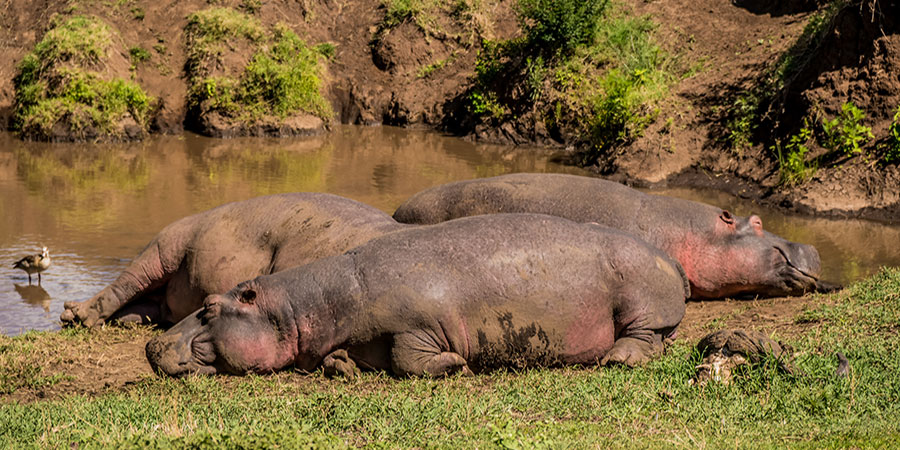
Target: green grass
(281,78)
(652,406)
(57,82)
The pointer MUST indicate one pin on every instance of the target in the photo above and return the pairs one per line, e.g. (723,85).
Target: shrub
(845,133)
(892,153)
(138,55)
(792,162)
(281,78)
(560,25)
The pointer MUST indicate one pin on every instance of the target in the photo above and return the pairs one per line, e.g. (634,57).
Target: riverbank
(94,388)
(747,92)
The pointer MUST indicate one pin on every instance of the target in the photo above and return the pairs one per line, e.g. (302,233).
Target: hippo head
(737,257)
(250,329)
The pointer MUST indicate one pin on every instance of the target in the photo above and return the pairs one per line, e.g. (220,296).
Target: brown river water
(95,206)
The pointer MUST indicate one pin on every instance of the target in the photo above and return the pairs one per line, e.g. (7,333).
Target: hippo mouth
(796,279)
(187,348)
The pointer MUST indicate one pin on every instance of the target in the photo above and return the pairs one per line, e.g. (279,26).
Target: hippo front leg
(338,363)
(418,353)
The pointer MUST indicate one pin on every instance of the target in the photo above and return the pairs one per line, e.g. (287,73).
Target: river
(95,206)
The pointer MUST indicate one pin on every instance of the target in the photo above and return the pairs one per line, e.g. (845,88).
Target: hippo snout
(185,349)
(805,258)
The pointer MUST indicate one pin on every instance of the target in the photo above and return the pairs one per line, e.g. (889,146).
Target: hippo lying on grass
(722,254)
(466,295)
(210,252)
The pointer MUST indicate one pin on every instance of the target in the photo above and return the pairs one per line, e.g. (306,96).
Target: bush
(792,162)
(54,85)
(560,25)
(281,78)
(845,133)
(892,154)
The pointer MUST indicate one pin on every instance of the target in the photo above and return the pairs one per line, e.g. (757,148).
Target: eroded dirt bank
(737,102)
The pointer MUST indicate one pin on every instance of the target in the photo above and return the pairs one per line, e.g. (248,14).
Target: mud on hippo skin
(463,296)
(723,255)
(212,251)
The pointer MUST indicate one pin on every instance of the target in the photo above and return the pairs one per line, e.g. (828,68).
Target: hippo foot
(338,363)
(84,313)
(630,352)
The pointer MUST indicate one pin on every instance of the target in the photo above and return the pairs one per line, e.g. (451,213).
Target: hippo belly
(505,290)
(723,255)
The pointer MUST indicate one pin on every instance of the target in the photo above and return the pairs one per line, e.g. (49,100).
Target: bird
(34,264)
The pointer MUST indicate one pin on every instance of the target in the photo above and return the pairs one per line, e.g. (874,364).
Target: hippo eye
(248,296)
(727,217)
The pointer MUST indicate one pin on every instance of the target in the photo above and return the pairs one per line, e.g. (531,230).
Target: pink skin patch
(589,338)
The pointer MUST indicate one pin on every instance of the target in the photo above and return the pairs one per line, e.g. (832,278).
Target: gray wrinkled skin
(210,252)
(506,290)
(723,255)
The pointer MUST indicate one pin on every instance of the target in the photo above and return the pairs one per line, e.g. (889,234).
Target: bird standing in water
(34,264)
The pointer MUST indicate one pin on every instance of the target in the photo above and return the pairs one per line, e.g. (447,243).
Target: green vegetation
(589,67)
(846,132)
(138,55)
(137,13)
(426,71)
(560,25)
(652,406)
(281,77)
(55,84)
(470,18)
(251,6)
(892,149)
(792,160)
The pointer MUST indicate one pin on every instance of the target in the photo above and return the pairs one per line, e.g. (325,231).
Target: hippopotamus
(210,252)
(506,290)
(723,255)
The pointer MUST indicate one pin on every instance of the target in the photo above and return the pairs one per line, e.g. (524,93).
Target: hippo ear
(726,217)
(756,223)
(248,296)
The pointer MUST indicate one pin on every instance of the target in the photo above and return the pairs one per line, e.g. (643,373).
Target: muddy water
(96,206)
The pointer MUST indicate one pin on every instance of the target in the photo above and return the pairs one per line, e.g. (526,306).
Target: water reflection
(96,205)
(34,295)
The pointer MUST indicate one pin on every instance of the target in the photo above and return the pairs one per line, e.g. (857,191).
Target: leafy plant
(892,153)
(792,159)
(138,55)
(845,133)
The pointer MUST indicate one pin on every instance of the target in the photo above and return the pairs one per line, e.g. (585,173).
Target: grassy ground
(652,406)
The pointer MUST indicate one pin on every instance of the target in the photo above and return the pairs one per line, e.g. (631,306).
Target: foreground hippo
(723,255)
(466,295)
(210,252)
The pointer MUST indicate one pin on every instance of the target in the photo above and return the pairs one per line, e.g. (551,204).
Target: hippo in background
(468,295)
(723,255)
(210,252)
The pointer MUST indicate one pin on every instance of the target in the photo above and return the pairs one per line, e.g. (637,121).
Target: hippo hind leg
(632,351)
(417,353)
